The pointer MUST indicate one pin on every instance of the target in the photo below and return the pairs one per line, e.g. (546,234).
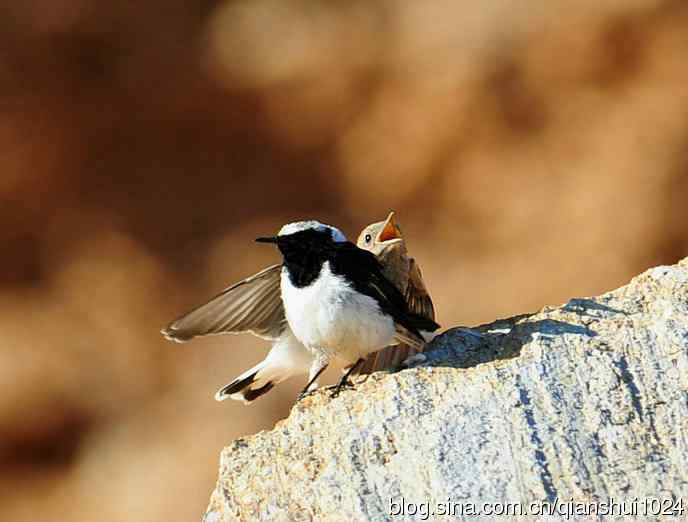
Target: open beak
(273,239)
(390,231)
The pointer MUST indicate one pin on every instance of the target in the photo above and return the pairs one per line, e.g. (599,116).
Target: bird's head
(304,235)
(383,238)
(312,228)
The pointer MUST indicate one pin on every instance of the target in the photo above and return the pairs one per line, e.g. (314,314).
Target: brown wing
(253,305)
(419,302)
(417,294)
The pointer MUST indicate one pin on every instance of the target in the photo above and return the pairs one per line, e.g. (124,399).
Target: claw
(304,394)
(343,384)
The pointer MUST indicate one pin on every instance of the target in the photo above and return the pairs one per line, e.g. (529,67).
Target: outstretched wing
(253,305)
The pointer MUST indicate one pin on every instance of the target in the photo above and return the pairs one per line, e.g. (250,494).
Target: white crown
(298,226)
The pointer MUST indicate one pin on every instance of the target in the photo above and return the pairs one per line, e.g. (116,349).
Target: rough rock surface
(584,401)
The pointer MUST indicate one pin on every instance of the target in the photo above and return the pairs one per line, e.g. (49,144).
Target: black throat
(304,254)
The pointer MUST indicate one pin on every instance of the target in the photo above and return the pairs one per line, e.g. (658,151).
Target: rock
(587,401)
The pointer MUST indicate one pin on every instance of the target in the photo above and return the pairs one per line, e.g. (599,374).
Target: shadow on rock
(468,347)
(590,308)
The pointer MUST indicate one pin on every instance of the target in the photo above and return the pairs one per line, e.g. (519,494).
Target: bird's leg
(319,365)
(345,379)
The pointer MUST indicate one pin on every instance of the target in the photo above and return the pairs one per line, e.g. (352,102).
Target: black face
(304,253)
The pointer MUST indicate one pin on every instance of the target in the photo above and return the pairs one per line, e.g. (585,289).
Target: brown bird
(386,241)
(255,305)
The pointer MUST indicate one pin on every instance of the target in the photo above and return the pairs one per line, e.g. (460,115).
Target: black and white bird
(254,305)
(337,300)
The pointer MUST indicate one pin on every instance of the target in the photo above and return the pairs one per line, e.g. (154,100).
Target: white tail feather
(287,358)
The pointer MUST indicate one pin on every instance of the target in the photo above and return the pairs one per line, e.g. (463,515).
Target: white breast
(330,316)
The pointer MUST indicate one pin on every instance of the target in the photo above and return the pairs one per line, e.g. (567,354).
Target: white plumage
(333,320)
(287,358)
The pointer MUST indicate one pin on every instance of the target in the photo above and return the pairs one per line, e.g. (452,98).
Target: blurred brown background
(533,152)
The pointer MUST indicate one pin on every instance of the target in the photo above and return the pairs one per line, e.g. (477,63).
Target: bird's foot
(304,394)
(344,382)
(341,386)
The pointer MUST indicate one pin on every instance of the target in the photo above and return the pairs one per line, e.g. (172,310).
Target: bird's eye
(368,238)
